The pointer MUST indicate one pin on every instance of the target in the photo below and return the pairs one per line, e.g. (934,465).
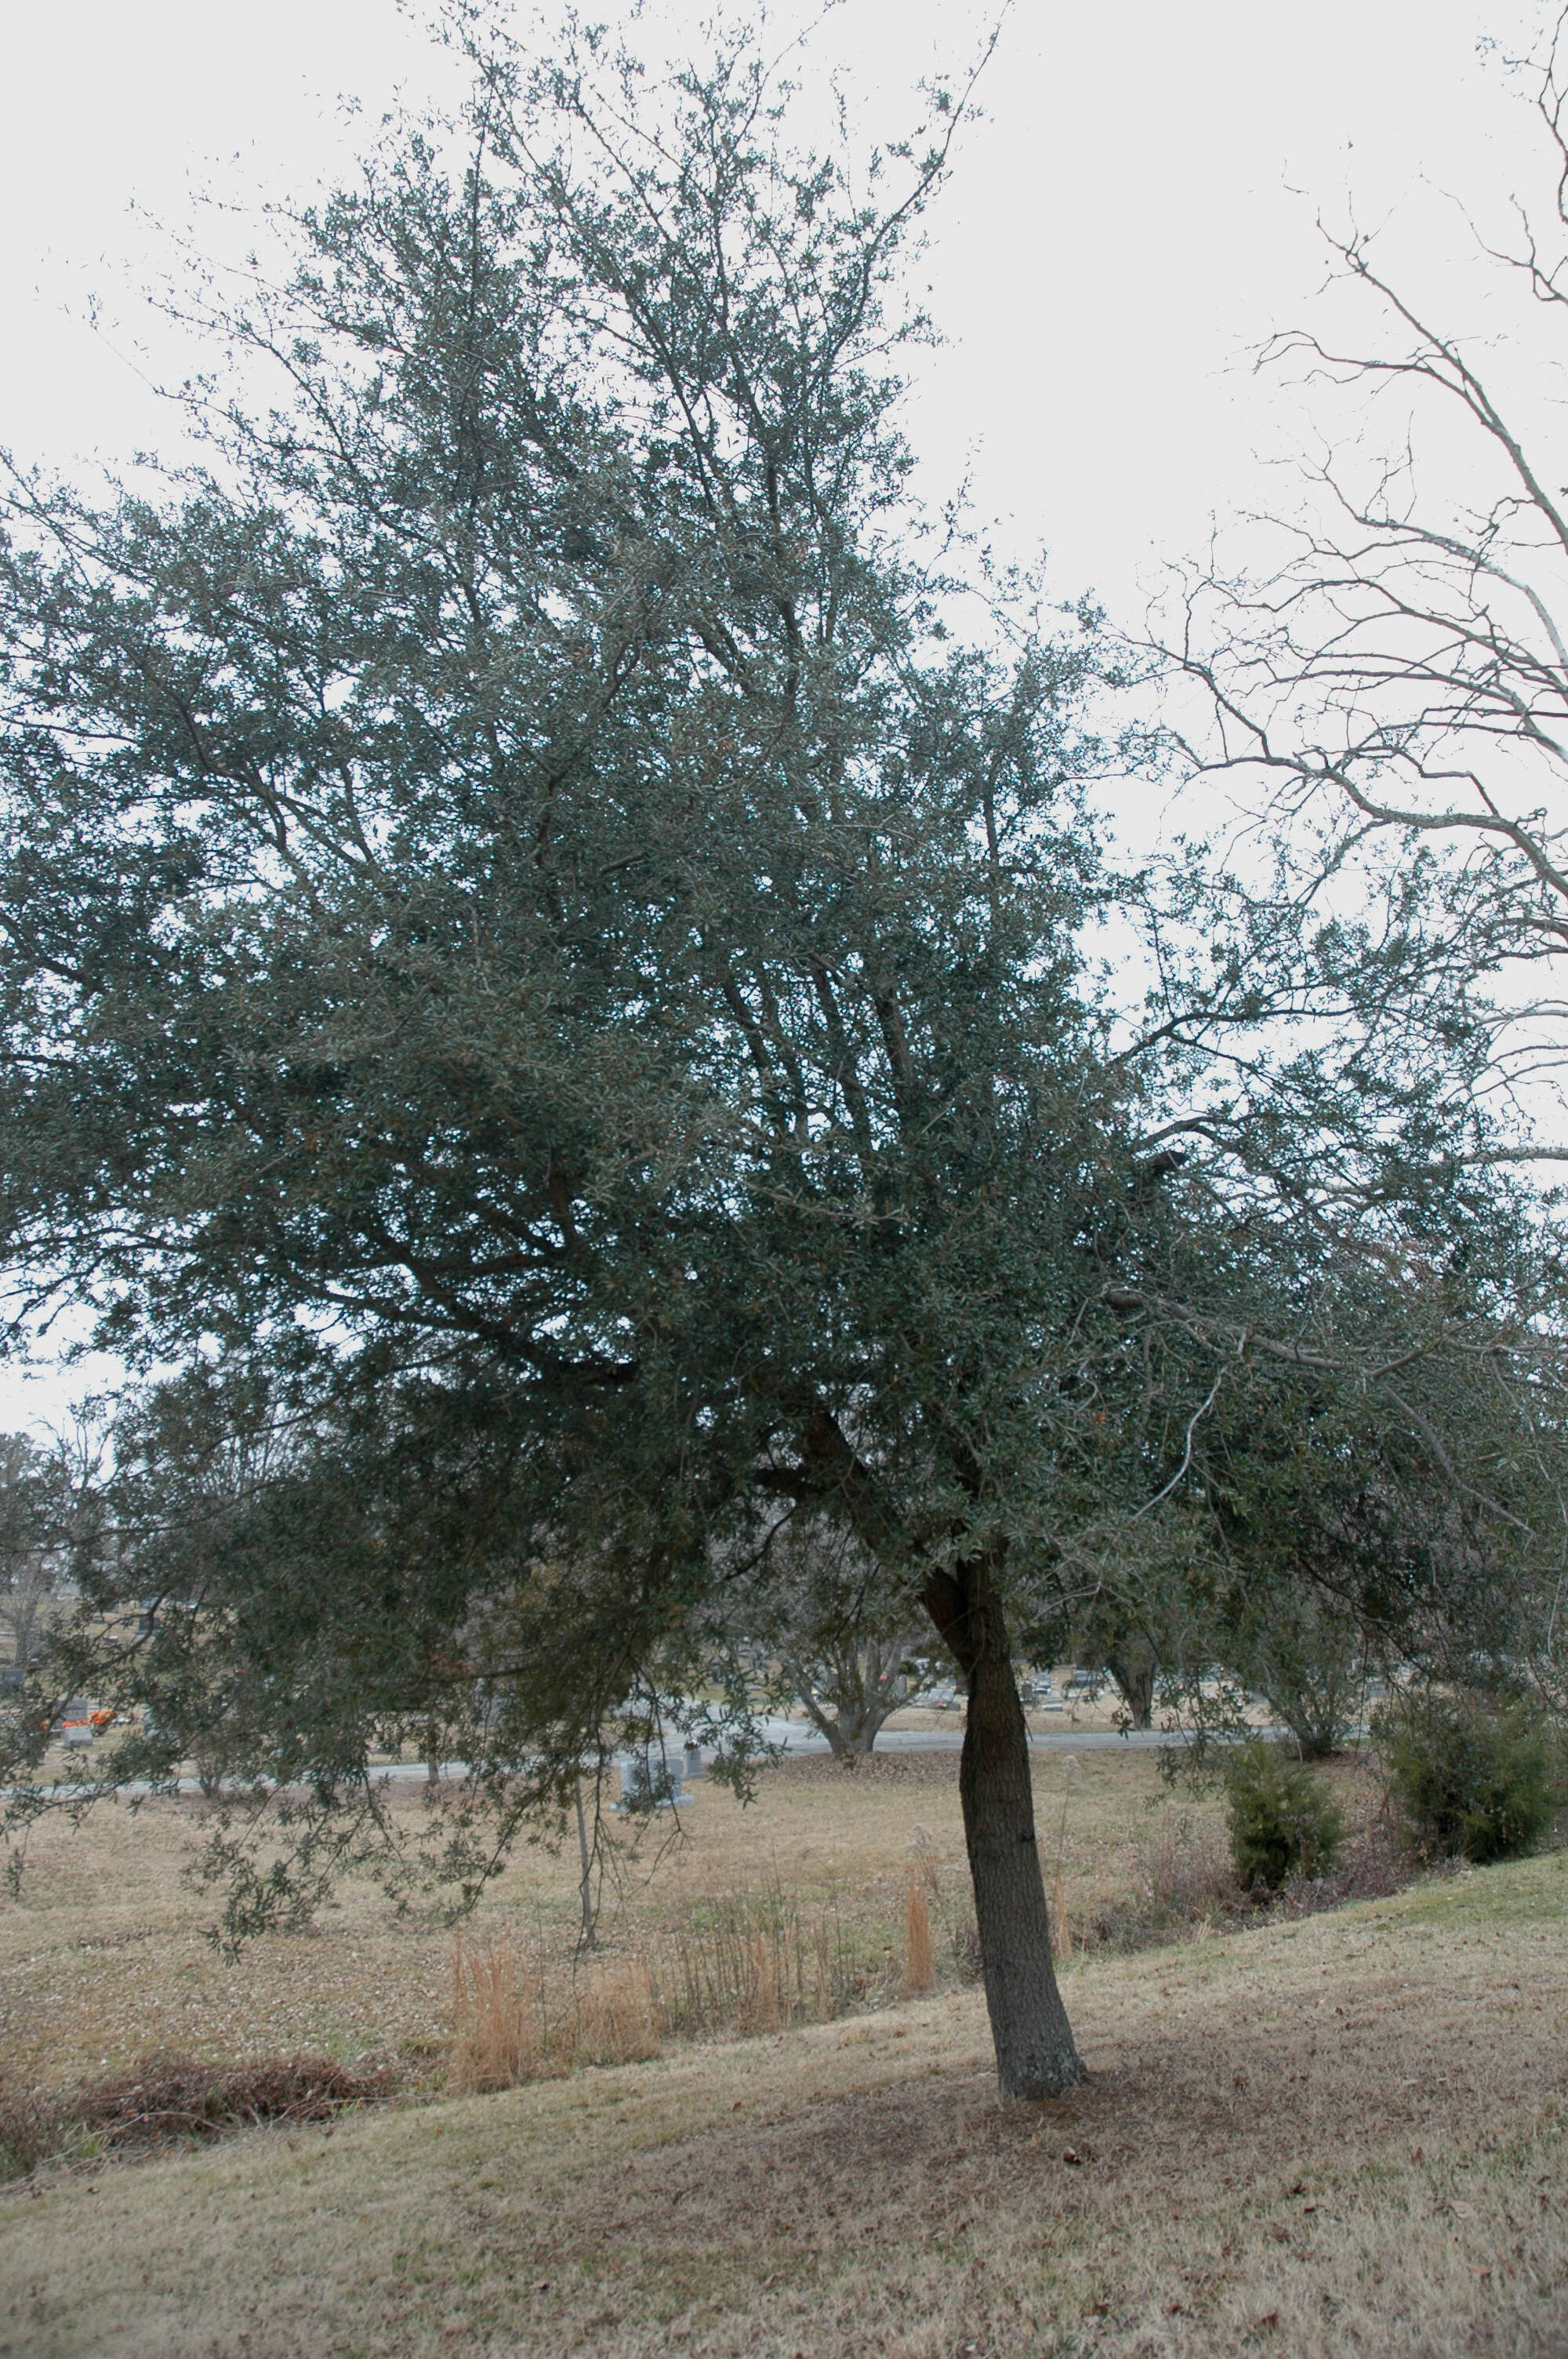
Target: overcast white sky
(1136,213)
(1122,230)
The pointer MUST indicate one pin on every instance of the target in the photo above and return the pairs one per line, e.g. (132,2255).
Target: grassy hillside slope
(1345,2135)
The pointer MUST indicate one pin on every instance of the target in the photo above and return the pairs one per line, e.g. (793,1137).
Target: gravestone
(649,1782)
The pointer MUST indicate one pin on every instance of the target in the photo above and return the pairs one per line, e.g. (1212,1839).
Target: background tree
(1390,1493)
(1110,1632)
(1380,683)
(1133,1661)
(1314,1541)
(1309,1665)
(826,1634)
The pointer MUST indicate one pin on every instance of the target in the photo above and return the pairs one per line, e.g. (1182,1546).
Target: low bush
(1283,1820)
(175,2097)
(1471,1777)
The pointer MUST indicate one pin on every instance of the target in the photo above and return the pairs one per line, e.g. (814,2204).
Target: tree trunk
(589,1937)
(1035,2052)
(1134,1666)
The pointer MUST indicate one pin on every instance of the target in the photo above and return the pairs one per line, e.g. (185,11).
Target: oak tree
(537,937)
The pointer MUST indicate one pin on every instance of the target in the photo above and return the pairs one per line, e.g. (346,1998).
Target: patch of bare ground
(1346,2135)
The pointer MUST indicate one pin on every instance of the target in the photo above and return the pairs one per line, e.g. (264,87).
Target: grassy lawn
(1341,2135)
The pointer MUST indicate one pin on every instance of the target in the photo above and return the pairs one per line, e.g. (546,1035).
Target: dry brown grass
(498,2039)
(1338,2136)
(504,2032)
(105,1960)
(742,1964)
(617,2018)
(919,1951)
(1342,2135)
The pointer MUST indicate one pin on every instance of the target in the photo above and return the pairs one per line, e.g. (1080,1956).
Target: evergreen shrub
(1283,1820)
(1472,1777)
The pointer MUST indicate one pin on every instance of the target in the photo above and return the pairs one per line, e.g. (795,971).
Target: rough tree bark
(1036,2056)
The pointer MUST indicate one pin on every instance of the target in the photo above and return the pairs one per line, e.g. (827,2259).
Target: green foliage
(1341,1515)
(553,984)
(1283,1820)
(1474,1777)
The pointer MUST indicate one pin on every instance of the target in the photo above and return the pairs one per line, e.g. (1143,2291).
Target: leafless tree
(1395,672)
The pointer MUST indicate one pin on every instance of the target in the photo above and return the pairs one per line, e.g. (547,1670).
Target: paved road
(799,1736)
(794,1736)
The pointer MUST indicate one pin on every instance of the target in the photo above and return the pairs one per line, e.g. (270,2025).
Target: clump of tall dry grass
(742,1964)
(499,2029)
(506,2031)
(1060,1924)
(923,1885)
(1182,1878)
(919,1954)
(754,1961)
(617,2017)
(1185,1873)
